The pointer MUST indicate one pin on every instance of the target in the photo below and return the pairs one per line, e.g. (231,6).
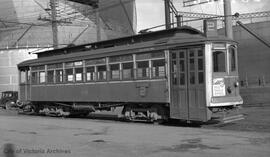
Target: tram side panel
(24,92)
(134,92)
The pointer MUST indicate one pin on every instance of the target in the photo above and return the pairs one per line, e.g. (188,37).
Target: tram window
(173,55)
(42,67)
(127,70)
(191,53)
(51,66)
(174,79)
(79,74)
(90,73)
(192,64)
(182,65)
(115,71)
(182,54)
(28,77)
(192,78)
(54,66)
(95,61)
(69,65)
(50,75)
(143,56)
(101,72)
(219,60)
(120,58)
(143,69)
(182,79)
(42,77)
(34,77)
(158,68)
(22,77)
(174,74)
(201,77)
(59,76)
(232,58)
(174,67)
(200,64)
(69,75)
(114,59)
(200,53)
(158,54)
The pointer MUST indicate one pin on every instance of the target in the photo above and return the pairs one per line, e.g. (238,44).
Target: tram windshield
(219,61)
(232,57)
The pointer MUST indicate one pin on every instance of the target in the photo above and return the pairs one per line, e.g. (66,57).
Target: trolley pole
(54,23)
(167,14)
(228,19)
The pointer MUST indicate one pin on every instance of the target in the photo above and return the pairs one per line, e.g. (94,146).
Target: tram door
(188,85)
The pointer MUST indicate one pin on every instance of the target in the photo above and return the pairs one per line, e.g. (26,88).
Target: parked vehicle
(8,99)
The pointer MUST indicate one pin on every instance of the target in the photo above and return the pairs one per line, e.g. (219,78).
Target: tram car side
(178,73)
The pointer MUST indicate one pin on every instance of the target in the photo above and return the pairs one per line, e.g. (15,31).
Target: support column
(228,19)
(167,14)
(54,23)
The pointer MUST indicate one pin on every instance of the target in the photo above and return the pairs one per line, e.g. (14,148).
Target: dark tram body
(178,73)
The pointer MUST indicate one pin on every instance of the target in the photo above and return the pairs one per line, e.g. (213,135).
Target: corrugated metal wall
(8,67)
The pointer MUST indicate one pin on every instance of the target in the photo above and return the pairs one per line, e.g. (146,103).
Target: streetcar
(179,73)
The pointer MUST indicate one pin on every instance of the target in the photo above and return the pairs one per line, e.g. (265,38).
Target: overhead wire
(29,17)
(64,11)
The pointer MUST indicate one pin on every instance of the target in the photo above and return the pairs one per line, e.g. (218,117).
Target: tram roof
(149,41)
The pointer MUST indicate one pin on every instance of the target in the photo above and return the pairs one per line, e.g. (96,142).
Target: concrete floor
(33,136)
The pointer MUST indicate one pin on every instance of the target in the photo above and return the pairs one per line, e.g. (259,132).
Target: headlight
(236,84)
(229,90)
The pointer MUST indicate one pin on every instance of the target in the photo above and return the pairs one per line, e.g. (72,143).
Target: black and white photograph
(134,78)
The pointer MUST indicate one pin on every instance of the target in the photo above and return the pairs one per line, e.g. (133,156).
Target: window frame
(67,75)
(101,69)
(34,81)
(148,71)
(111,72)
(62,78)
(43,77)
(48,76)
(104,72)
(235,59)
(37,69)
(82,74)
(158,71)
(149,56)
(94,73)
(55,67)
(23,76)
(224,51)
(131,72)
